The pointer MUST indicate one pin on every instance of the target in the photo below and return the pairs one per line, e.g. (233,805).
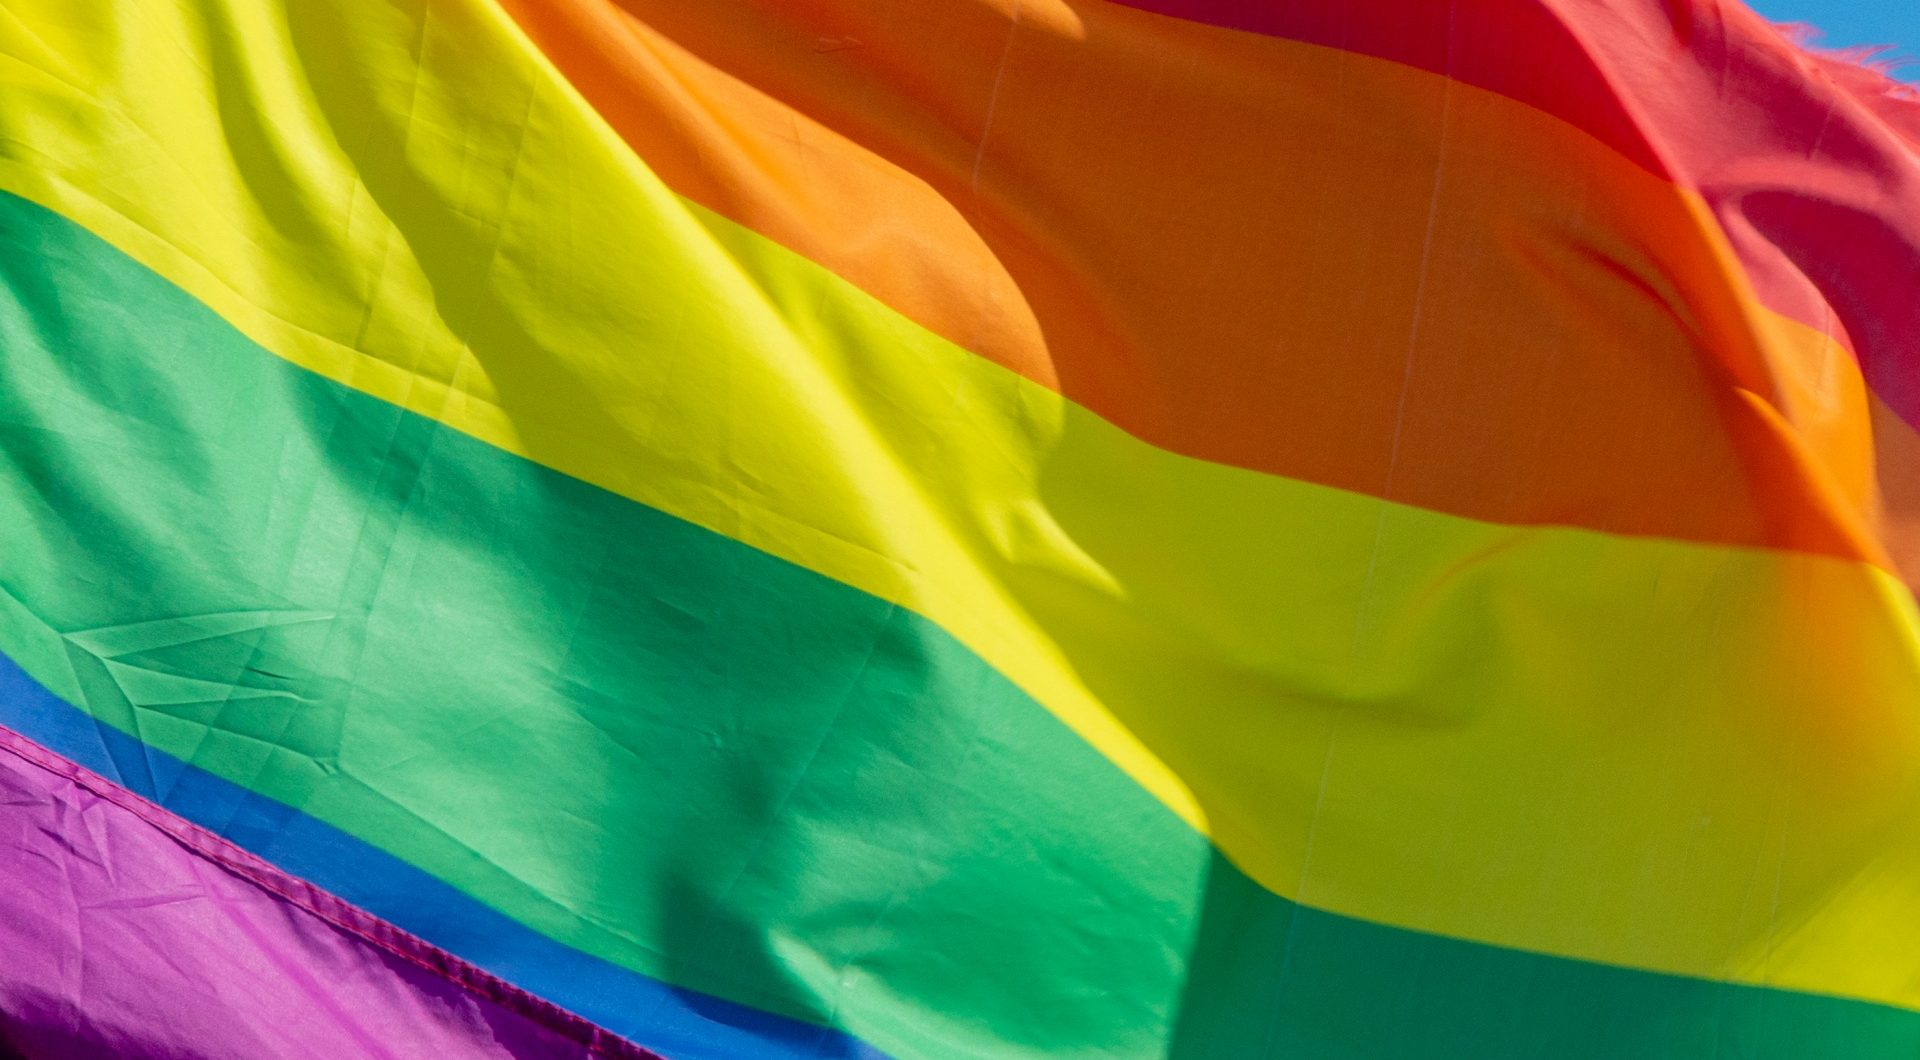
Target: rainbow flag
(955,529)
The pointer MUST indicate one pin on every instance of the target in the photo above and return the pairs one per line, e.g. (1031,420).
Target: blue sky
(1845,23)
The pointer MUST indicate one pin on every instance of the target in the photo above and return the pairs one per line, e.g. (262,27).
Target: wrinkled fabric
(124,933)
(999,529)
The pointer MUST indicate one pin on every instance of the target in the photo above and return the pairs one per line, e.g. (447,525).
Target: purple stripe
(679,1022)
(128,932)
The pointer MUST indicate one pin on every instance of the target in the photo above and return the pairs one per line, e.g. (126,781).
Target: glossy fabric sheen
(872,622)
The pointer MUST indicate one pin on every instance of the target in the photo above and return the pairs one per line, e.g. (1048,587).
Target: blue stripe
(681,1024)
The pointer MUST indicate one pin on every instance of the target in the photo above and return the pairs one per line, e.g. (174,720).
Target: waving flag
(955,528)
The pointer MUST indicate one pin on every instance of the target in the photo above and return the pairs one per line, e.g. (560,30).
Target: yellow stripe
(1669,755)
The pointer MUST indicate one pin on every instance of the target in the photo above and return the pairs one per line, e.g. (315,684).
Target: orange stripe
(1249,250)
(1896,489)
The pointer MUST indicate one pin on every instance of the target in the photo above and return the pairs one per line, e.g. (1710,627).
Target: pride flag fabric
(955,529)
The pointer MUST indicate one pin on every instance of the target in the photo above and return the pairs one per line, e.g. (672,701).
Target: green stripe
(636,736)
(1275,980)
(671,750)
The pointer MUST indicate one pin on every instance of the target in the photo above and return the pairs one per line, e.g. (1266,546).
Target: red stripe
(1517,48)
(1811,165)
